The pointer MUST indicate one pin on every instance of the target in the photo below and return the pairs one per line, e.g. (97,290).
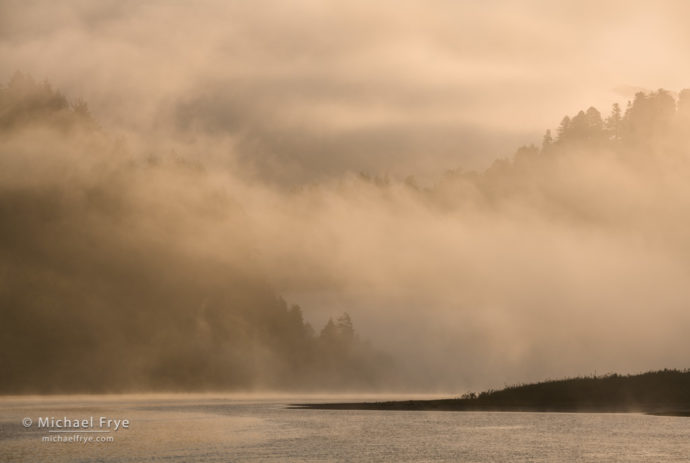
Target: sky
(285,103)
(308,89)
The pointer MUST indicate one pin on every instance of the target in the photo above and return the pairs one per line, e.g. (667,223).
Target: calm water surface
(232,429)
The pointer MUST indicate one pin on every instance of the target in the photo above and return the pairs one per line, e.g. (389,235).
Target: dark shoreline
(451,405)
(662,393)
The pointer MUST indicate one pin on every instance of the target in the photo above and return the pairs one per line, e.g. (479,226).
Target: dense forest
(102,291)
(643,140)
(662,392)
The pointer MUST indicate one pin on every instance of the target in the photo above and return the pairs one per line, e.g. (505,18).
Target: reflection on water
(223,428)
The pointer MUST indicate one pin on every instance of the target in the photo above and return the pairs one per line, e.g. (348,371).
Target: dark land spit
(665,392)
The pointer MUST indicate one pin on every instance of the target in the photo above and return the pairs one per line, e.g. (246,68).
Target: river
(217,428)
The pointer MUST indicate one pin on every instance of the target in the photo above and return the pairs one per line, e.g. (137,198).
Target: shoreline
(450,405)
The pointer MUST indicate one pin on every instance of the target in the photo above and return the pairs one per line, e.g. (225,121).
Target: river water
(196,428)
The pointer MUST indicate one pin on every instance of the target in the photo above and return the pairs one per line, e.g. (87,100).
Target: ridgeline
(665,392)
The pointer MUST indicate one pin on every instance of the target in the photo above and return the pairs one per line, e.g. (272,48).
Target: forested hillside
(111,280)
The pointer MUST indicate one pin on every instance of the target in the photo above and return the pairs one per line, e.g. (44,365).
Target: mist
(213,165)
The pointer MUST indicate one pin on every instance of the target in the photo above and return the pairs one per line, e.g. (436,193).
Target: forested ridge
(105,287)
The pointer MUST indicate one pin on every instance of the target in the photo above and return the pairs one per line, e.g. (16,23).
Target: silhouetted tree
(613,122)
(525,154)
(345,329)
(563,129)
(24,102)
(594,122)
(648,116)
(547,141)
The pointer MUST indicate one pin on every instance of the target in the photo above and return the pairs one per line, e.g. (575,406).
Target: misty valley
(127,268)
(344,231)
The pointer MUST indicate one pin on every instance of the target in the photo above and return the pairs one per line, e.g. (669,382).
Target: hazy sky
(303,93)
(309,87)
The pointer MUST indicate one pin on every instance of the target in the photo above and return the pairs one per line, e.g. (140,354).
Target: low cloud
(273,142)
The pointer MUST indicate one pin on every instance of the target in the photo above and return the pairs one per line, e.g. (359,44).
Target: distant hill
(659,392)
(108,284)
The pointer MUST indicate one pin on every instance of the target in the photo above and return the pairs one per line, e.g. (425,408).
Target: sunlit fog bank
(331,198)
(307,89)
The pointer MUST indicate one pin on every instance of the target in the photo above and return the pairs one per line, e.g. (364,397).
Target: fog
(307,89)
(341,157)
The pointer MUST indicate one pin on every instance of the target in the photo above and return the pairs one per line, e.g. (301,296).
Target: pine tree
(547,141)
(563,129)
(613,123)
